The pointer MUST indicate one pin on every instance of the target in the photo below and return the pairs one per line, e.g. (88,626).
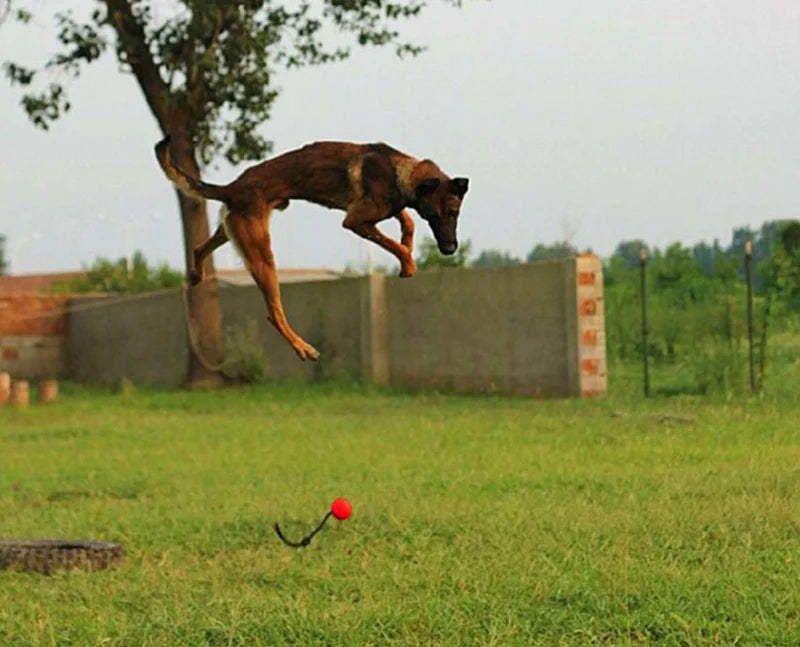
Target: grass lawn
(477,520)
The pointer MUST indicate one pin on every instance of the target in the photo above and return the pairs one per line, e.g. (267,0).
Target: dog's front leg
(407,240)
(361,219)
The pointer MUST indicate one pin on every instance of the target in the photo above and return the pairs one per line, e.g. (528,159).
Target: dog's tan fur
(370,182)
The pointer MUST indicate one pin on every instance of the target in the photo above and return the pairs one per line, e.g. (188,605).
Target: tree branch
(5,10)
(133,43)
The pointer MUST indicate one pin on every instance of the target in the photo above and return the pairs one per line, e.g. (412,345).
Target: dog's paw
(194,277)
(408,270)
(306,351)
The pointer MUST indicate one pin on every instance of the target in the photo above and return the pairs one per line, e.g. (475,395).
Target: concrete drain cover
(47,555)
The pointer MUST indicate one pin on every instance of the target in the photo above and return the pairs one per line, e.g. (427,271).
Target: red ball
(341,509)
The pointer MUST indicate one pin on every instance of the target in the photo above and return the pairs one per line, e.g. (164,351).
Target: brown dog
(370,182)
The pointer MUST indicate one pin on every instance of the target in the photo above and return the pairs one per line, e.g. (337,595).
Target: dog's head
(438,200)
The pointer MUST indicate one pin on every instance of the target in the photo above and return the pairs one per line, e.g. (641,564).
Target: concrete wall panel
(141,338)
(505,329)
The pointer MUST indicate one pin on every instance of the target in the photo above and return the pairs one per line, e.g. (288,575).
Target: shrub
(245,358)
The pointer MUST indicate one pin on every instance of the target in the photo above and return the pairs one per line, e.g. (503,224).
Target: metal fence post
(748,272)
(643,274)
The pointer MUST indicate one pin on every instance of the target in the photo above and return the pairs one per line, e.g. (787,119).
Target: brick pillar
(5,388)
(591,325)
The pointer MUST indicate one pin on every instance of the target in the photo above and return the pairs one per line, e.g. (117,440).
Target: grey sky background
(592,121)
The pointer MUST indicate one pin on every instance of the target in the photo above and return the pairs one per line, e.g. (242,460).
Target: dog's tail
(187,184)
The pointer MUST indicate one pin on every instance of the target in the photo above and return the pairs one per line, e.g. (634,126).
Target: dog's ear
(459,186)
(427,186)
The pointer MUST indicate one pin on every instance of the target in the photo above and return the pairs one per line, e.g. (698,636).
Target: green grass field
(477,520)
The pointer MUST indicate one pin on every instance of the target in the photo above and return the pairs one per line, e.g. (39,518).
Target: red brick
(32,314)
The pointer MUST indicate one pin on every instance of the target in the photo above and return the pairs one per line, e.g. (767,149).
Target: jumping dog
(369,182)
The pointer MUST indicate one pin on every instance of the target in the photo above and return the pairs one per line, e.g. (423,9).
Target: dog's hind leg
(219,237)
(250,232)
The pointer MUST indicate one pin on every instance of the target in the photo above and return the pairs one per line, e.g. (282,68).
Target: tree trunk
(205,319)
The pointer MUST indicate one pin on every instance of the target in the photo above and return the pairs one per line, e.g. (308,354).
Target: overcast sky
(671,120)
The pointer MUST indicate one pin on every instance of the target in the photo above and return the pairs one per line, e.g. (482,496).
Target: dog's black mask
(439,202)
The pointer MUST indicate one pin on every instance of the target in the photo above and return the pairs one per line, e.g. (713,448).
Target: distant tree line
(688,274)
(429,256)
(121,276)
(697,303)
(676,265)
(776,259)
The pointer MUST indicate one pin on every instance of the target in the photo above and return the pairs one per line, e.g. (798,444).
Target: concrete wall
(141,338)
(502,329)
(327,314)
(506,329)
